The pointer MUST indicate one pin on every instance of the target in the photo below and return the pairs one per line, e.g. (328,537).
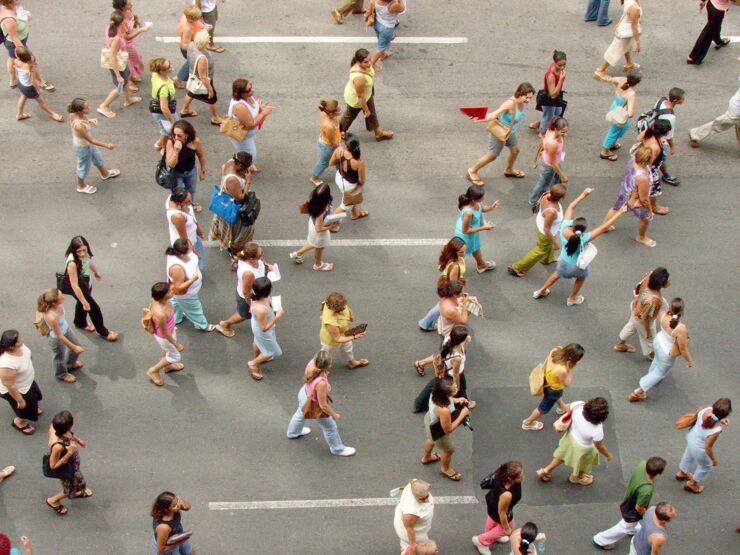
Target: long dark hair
(353,145)
(116,20)
(261,288)
(508,471)
(528,536)
(77,242)
(676,311)
(360,55)
(458,334)
(441,392)
(178,248)
(473,194)
(161,504)
(187,128)
(449,252)
(579,226)
(8,340)
(319,199)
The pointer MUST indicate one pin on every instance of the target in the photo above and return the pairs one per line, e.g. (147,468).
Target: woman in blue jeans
(386,19)
(181,150)
(166,522)
(452,267)
(553,85)
(317,387)
(598,11)
(329,137)
(670,342)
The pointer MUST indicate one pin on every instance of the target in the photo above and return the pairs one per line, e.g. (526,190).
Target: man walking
(653,536)
(721,123)
(635,504)
(344,9)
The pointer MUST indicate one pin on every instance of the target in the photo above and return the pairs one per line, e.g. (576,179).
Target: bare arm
(555,88)
(180,285)
(360,172)
(245,117)
(260,312)
(552,151)
(7,376)
(503,507)
(601,448)
(160,318)
(53,321)
(83,132)
(359,84)
(632,105)
(445,418)
(323,397)
(573,205)
(657,541)
(409,522)
(709,448)
(507,106)
(603,227)
(235,190)
(201,154)
(682,342)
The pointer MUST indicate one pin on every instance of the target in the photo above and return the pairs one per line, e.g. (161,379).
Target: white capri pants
(171,354)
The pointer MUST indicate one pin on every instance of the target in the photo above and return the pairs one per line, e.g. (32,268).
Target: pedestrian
(163,105)
(85,146)
(582,442)
(505,121)
(731,118)
(27,78)
(336,325)
(133,28)
(14,22)
(385,15)
(553,153)
(186,279)
(318,207)
(502,497)
(452,267)
(201,68)
(316,387)
(413,515)
(653,536)
(712,31)
(167,522)
(551,104)
(700,440)
(634,194)
(350,176)
(574,238)
(442,403)
(191,21)
(182,224)
(635,503)
(664,110)
(6,473)
(345,8)
(558,370)
(64,457)
(527,540)
(359,94)
(236,181)
(329,137)
(671,341)
(250,113)
(654,138)
(622,109)
(182,147)
(162,314)
(116,44)
(626,40)
(598,11)
(646,302)
(249,268)
(79,266)
(470,222)
(264,319)
(62,340)
(17,382)
(209,8)
(6,549)
(547,223)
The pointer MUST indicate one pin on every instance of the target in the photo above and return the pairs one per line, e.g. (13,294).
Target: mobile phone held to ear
(357,329)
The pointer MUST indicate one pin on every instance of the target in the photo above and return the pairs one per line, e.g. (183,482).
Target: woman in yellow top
(336,321)
(359,95)
(558,375)
(329,137)
(164,109)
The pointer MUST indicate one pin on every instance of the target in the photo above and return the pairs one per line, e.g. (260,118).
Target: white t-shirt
(242,267)
(735,103)
(410,505)
(670,118)
(24,372)
(583,431)
(206,5)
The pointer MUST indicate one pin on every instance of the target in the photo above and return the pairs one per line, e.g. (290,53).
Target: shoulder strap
(195,65)
(160,90)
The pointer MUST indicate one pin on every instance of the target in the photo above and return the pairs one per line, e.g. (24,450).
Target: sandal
(134,100)
(23,116)
(85,493)
(48,87)
(582,480)
(626,348)
(189,114)
(647,242)
(155,378)
(69,378)
(87,190)
(515,173)
(544,476)
(215,48)
(682,477)
(420,368)
(474,180)
(112,336)
(256,374)
(433,459)
(661,210)
(538,295)
(325,267)
(216,122)
(722,43)
(337,16)
(611,157)
(174,367)
(384,136)
(89,328)
(360,364)
(60,509)
(226,332)
(106,112)
(636,397)
(697,489)
(111,174)
(578,300)
(515,273)
(26,430)
(295,257)
(536,425)
(616,146)
(630,67)
(210,327)
(5,472)
(601,77)
(535,125)
(198,207)
(362,214)
(455,476)
(58,118)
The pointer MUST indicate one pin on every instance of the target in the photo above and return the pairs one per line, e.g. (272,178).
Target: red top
(555,75)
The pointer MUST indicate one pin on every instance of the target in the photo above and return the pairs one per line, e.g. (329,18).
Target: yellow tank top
(447,269)
(551,372)
(350,94)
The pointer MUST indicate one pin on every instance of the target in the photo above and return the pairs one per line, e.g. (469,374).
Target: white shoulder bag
(588,253)
(195,85)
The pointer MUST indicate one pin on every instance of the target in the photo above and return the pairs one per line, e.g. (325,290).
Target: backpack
(40,324)
(249,210)
(646,119)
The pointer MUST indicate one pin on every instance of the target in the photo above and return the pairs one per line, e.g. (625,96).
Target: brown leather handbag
(499,130)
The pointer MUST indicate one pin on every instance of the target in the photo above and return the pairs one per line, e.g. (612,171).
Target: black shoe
(692,62)
(721,44)
(671,180)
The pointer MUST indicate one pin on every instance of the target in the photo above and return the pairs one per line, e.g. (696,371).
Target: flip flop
(536,425)
(215,48)
(455,477)
(217,123)
(544,476)
(48,87)
(519,174)
(60,509)
(189,114)
(647,242)
(636,397)
(211,327)
(26,430)
(325,267)
(627,348)
(661,210)
(630,67)
(5,472)
(87,190)
(434,459)
(473,180)
(58,118)
(513,272)
(538,295)
(23,116)
(134,100)
(111,174)
(110,114)
(611,157)
(77,366)
(386,136)
(337,16)
(363,214)
(420,369)
(616,146)
(601,77)
(697,490)
(224,331)
(174,367)
(69,378)
(578,300)
(198,207)
(360,364)
(85,493)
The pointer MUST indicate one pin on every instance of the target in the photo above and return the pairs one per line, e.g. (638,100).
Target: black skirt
(32,398)
(204,97)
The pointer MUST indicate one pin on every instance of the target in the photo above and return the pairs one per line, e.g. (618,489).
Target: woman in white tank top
(251,113)
(181,222)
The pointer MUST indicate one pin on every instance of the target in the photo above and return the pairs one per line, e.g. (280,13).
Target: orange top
(194,28)
(328,139)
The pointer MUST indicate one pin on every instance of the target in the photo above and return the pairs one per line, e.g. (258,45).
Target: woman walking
(64,457)
(115,42)
(359,94)
(386,14)
(336,323)
(181,150)
(79,266)
(133,28)
(200,65)
(502,497)
(236,180)
(574,238)
(181,222)
(712,31)
(27,78)
(581,444)
(264,320)
(191,21)
(553,153)
(470,222)
(85,146)
(186,280)
(250,113)
(14,27)
(598,10)
(646,302)
(162,313)
(623,108)
(559,367)
(452,267)
(507,118)
(626,40)
(167,522)
(700,440)
(671,341)
(329,137)
(654,137)
(319,233)
(441,407)
(552,104)
(413,516)
(17,382)
(528,540)
(547,222)
(62,340)
(317,388)
(350,176)
(163,105)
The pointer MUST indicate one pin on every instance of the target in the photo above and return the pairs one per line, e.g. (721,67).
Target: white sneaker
(346,452)
(305,431)
(482,549)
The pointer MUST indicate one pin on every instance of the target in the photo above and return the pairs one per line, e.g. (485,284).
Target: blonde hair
(201,39)
(192,12)
(336,301)
(250,250)
(322,362)
(158,64)
(643,155)
(47,299)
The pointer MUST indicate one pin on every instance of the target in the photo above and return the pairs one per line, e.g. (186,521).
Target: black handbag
(65,286)
(64,472)
(436,428)
(155,108)
(164,175)
(249,210)
(544,99)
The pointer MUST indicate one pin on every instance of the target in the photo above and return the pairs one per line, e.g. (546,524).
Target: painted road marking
(328,40)
(347,242)
(330,503)
(734,39)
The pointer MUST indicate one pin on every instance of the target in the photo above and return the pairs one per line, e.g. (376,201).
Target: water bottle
(396,492)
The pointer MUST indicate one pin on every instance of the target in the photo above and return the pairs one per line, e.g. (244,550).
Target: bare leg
(628,58)
(446,457)
(154,371)
(109,99)
(186,104)
(642,229)
(103,171)
(317,256)
(235,318)
(19,107)
(304,249)
(549,282)
(214,113)
(609,214)
(532,417)
(513,153)
(55,500)
(482,161)
(11,71)
(602,68)
(428,448)
(45,107)
(552,466)
(479,259)
(576,288)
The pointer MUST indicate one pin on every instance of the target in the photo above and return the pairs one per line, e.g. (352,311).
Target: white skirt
(315,239)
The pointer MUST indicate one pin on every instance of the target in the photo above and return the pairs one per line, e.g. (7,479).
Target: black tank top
(186,160)
(493,496)
(175,524)
(345,169)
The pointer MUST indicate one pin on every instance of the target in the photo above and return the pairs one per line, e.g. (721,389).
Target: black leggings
(96,314)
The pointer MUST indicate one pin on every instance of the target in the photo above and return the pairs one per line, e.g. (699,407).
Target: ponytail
(676,311)
(458,334)
(473,194)
(47,299)
(76,106)
(573,244)
(178,248)
(528,535)
(116,19)
(353,145)
(557,124)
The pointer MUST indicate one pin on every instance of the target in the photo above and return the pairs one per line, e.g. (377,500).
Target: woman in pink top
(162,313)
(553,153)
(115,41)
(712,30)
(133,28)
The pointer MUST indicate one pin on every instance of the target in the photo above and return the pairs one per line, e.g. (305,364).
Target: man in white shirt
(675,97)
(731,118)
(210,16)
